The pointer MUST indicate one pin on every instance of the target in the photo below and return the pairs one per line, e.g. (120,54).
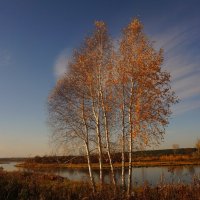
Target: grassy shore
(187,156)
(32,186)
(106,166)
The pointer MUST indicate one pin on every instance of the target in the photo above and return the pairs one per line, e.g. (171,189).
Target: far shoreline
(106,166)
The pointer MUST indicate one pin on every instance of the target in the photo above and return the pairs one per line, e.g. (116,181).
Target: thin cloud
(182,61)
(186,106)
(5,57)
(61,63)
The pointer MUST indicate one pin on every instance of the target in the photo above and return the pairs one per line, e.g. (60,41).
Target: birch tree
(111,88)
(69,110)
(148,95)
(89,76)
(99,51)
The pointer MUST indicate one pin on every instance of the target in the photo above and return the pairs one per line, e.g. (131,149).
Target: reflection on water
(152,175)
(9,166)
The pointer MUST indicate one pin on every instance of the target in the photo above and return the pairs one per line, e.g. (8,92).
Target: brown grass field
(24,185)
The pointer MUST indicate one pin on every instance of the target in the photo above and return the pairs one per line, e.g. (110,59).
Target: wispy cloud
(182,60)
(5,57)
(61,63)
(186,106)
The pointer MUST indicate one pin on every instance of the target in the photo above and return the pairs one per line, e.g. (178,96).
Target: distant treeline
(166,152)
(4,160)
(150,155)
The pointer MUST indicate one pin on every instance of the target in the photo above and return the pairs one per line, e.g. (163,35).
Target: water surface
(152,175)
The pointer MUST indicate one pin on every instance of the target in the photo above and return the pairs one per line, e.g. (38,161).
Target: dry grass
(28,186)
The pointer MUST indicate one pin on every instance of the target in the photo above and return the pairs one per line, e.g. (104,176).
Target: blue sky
(37,36)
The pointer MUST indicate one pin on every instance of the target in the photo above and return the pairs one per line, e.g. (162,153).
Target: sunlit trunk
(100,152)
(99,90)
(130,141)
(96,115)
(108,146)
(87,147)
(90,168)
(130,157)
(123,147)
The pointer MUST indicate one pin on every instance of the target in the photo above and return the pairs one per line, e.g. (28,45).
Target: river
(152,175)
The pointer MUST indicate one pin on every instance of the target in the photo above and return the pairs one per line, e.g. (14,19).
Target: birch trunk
(98,135)
(108,141)
(123,144)
(100,152)
(130,157)
(87,147)
(130,142)
(98,118)
(90,168)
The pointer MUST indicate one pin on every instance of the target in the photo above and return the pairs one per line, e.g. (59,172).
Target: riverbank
(151,158)
(8,160)
(24,185)
(106,166)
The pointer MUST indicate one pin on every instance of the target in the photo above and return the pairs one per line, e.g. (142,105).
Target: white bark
(108,142)
(89,167)
(123,143)
(87,147)
(99,143)
(130,156)
(100,151)
(130,140)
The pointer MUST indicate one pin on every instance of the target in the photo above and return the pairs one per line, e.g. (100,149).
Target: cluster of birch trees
(114,95)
